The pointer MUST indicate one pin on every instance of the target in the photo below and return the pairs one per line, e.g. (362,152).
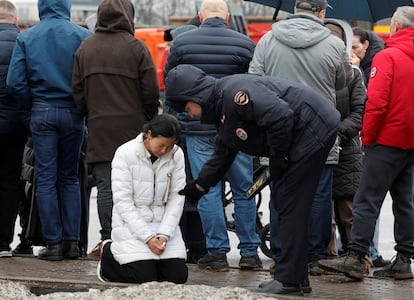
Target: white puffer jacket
(146,202)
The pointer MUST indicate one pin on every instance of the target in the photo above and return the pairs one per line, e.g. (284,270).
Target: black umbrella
(364,10)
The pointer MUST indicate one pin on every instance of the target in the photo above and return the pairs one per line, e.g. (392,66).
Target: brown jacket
(114,81)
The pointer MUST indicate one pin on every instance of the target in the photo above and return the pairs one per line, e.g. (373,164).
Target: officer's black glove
(192,192)
(278,166)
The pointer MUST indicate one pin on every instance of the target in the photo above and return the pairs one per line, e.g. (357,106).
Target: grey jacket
(302,49)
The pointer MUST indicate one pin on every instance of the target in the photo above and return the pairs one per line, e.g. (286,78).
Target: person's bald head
(213,8)
(8,12)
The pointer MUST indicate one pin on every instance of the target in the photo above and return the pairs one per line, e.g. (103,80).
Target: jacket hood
(54,9)
(376,44)
(115,16)
(188,83)
(403,40)
(300,31)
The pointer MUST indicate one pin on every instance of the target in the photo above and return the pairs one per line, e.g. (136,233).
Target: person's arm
(122,195)
(344,72)
(257,64)
(16,81)
(216,167)
(379,91)
(276,117)
(171,59)
(352,123)
(174,202)
(148,82)
(77,86)
(211,173)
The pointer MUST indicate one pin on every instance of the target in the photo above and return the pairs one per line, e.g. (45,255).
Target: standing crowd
(329,105)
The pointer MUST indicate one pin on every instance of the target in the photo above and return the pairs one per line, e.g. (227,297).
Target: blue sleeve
(17,78)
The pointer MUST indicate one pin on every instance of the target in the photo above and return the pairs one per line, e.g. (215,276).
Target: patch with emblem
(241,98)
(241,134)
(373,72)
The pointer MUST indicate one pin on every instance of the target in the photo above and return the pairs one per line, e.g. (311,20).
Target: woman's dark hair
(363,34)
(164,125)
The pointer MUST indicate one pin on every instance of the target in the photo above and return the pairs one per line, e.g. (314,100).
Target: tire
(265,241)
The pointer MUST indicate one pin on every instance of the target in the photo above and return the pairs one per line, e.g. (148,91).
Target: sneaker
(352,264)
(379,262)
(306,288)
(216,263)
(99,273)
(399,268)
(5,253)
(23,249)
(95,253)
(250,262)
(277,287)
(102,245)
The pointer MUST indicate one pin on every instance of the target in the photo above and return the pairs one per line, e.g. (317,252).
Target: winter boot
(399,268)
(353,264)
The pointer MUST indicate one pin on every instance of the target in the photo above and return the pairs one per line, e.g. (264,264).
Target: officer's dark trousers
(172,270)
(293,196)
(384,169)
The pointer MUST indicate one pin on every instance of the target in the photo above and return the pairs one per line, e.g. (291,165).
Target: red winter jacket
(389,111)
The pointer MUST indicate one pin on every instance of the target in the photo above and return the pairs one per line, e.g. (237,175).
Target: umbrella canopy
(364,10)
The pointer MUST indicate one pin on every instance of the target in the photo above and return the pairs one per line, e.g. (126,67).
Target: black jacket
(216,50)
(12,119)
(258,115)
(350,102)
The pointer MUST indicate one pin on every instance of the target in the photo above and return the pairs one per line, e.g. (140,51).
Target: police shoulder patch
(241,98)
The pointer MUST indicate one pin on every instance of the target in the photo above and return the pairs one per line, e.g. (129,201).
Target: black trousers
(384,169)
(172,270)
(11,155)
(293,195)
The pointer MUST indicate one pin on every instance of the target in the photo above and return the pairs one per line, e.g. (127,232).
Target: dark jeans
(102,175)
(11,153)
(384,169)
(172,270)
(57,134)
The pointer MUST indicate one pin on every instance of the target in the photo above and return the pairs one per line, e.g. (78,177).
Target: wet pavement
(80,275)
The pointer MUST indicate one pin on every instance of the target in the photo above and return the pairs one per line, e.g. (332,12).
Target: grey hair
(7,10)
(404,15)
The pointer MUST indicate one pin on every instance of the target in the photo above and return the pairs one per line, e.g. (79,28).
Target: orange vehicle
(154,40)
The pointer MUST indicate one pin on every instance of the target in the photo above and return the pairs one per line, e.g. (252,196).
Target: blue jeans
(240,175)
(320,222)
(321,217)
(57,134)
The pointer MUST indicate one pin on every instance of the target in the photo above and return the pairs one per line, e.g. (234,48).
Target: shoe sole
(249,267)
(210,268)
(305,289)
(353,275)
(395,276)
(52,258)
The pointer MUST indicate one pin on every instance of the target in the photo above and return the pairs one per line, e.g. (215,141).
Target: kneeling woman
(147,174)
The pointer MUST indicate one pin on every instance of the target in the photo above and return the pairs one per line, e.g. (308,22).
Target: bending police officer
(264,116)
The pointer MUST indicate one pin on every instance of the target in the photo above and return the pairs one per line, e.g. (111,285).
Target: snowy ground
(153,290)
